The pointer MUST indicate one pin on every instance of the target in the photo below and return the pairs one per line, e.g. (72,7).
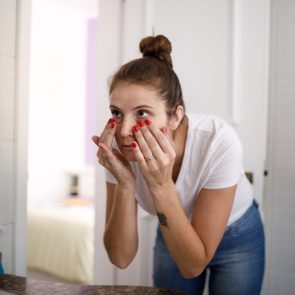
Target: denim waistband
(253,207)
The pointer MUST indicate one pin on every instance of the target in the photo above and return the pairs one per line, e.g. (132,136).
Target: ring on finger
(149,158)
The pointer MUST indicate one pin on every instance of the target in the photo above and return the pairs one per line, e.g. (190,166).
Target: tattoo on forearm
(162,219)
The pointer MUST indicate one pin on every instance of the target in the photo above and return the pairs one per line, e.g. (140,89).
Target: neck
(178,137)
(178,141)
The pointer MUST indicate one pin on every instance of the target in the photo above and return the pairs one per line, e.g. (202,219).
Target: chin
(129,156)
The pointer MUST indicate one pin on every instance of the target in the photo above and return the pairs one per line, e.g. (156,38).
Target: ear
(175,120)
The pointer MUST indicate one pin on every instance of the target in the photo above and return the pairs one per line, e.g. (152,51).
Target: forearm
(183,242)
(121,237)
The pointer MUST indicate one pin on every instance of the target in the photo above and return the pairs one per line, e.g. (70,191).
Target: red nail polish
(147,122)
(113,125)
(133,144)
(110,120)
(140,123)
(136,128)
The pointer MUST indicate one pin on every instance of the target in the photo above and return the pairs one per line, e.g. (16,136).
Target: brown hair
(154,69)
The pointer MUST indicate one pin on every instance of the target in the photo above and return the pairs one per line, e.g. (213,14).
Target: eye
(142,113)
(116,114)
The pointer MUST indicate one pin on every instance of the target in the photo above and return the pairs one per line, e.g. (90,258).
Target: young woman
(185,168)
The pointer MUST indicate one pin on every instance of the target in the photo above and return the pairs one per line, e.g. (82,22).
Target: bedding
(60,242)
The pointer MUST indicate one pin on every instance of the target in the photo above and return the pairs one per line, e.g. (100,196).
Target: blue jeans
(237,267)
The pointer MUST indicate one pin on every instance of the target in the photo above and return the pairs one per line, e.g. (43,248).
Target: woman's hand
(111,158)
(154,154)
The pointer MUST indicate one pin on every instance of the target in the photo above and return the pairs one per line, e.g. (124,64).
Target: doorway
(61,158)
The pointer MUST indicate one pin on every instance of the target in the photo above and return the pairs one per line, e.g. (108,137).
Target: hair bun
(159,47)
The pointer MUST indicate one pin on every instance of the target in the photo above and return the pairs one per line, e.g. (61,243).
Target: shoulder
(212,136)
(212,127)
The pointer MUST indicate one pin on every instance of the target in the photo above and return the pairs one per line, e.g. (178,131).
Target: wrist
(163,191)
(126,187)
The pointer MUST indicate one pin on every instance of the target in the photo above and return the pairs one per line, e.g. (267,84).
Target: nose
(126,127)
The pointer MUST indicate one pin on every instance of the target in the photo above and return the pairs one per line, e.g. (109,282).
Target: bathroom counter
(10,284)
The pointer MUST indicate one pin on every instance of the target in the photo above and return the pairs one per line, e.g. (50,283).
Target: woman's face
(130,103)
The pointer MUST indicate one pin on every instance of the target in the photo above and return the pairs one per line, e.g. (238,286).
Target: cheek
(117,136)
(159,121)
(164,125)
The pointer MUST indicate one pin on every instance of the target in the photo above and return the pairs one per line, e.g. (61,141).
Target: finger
(95,139)
(154,146)
(106,155)
(103,131)
(142,142)
(108,133)
(140,159)
(160,136)
(107,124)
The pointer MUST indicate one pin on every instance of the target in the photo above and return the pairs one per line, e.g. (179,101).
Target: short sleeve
(110,177)
(226,161)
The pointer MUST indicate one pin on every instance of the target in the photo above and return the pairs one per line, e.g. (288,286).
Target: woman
(187,169)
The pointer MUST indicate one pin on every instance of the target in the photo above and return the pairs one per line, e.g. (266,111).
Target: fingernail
(140,123)
(136,128)
(147,122)
(111,120)
(133,144)
(113,125)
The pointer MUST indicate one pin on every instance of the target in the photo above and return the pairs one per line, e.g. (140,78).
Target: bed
(60,241)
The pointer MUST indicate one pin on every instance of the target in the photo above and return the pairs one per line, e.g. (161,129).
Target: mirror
(212,46)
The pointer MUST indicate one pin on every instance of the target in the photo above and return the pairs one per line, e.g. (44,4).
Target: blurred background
(234,59)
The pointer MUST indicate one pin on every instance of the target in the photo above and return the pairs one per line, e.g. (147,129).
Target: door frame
(109,59)
(23,31)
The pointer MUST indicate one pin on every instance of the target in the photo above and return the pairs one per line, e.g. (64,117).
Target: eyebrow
(136,108)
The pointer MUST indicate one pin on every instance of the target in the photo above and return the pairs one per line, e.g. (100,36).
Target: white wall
(57,96)
(252,86)
(220,53)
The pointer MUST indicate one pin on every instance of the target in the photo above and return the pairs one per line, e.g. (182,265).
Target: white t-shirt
(213,159)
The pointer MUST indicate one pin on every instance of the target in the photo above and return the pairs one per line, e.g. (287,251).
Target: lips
(126,145)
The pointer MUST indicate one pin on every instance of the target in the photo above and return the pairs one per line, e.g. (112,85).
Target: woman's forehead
(135,95)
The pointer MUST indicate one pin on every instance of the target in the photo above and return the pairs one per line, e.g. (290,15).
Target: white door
(279,196)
